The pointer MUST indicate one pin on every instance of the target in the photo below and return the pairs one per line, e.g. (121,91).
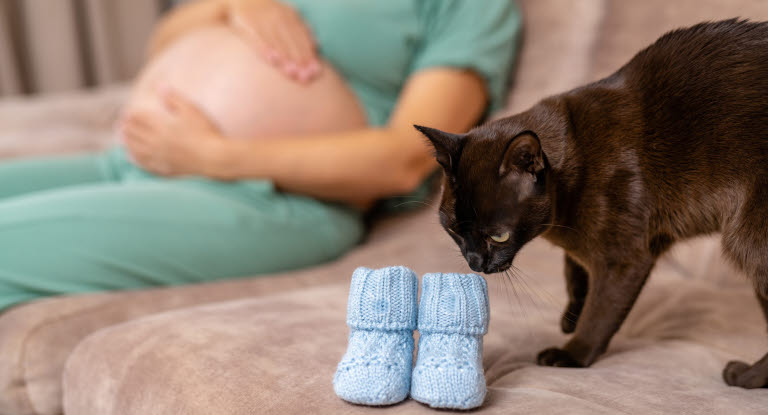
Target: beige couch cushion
(36,338)
(566,43)
(66,122)
(628,26)
(277,354)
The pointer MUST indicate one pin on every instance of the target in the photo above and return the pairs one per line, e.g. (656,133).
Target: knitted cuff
(453,303)
(383,299)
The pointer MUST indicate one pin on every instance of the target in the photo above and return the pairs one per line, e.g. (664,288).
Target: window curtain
(59,45)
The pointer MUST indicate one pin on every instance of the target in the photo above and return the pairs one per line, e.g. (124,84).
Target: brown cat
(672,145)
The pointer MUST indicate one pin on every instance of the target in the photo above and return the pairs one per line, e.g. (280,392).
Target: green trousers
(96,222)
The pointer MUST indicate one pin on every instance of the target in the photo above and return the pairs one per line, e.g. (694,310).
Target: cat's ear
(523,155)
(447,145)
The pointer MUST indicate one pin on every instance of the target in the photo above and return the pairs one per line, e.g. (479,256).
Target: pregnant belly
(247,98)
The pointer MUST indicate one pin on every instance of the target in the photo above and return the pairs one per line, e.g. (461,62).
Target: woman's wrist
(228,6)
(215,159)
(231,5)
(230,159)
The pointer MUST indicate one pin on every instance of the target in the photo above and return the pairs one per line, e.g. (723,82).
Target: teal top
(377,44)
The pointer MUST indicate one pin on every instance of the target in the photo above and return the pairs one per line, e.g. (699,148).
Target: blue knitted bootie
(453,317)
(381,314)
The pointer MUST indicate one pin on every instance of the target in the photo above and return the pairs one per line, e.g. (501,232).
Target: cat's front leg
(611,294)
(577,283)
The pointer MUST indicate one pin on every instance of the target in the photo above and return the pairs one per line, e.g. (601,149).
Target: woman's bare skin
(214,68)
(185,128)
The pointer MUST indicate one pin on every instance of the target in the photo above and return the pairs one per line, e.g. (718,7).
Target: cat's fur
(672,145)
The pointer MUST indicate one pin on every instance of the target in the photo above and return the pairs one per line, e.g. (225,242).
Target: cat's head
(494,191)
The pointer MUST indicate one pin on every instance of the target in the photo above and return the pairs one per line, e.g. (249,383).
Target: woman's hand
(179,142)
(279,35)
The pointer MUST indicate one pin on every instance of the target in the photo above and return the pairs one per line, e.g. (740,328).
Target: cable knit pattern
(453,317)
(381,313)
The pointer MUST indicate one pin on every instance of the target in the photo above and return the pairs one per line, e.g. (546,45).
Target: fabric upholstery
(278,353)
(36,338)
(240,357)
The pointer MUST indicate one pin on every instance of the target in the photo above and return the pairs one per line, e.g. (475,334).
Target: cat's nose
(475,261)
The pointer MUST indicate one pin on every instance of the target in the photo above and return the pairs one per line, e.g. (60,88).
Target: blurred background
(65,65)
(61,45)
(65,72)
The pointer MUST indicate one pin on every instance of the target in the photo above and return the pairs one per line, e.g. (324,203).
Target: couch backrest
(568,43)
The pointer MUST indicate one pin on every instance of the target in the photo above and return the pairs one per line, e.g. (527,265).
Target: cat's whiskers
(551,299)
(561,226)
(535,287)
(420,202)
(508,276)
(530,290)
(504,281)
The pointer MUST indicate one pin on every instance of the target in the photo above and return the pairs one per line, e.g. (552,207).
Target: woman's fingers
(143,130)
(302,61)
(258,36)
(136,127)
(179,105)
(136,145)
(289,59)
(141,151)
(293,35)
(304,47)
(184,112)
(174,103)
(279,34)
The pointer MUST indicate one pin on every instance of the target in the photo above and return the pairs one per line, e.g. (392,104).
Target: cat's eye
(504,237)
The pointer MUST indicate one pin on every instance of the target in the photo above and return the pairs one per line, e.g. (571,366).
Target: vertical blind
(59,45)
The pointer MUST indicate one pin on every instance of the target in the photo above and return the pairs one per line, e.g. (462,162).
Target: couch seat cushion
(278,354)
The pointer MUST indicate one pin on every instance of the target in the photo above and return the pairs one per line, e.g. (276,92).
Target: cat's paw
(743,375)
(556,357)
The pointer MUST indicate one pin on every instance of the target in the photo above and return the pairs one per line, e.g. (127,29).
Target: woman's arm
(274,29)
(362,166)
(354,167)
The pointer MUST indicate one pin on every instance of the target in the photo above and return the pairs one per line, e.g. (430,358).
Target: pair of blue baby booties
(382,314)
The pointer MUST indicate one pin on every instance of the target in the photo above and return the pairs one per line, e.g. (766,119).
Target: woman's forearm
(194,14)
(361,166)
(355,167)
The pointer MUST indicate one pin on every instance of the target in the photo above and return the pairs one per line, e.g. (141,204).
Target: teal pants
(95,222)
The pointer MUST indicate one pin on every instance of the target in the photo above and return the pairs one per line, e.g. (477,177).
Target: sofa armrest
(60,123)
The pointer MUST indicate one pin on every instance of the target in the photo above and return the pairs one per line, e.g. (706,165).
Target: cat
(672,145)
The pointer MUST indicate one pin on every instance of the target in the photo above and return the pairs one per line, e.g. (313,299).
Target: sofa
(270,344)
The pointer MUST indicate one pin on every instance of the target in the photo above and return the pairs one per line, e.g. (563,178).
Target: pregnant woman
(254,139)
